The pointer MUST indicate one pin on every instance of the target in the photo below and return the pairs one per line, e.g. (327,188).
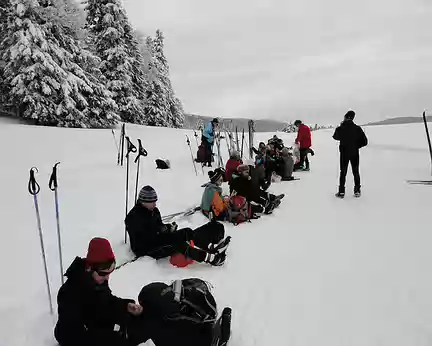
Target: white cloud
(281,57)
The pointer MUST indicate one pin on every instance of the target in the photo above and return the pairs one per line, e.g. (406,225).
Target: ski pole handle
(130,147)
(53,179)
(141,151)
(33,186)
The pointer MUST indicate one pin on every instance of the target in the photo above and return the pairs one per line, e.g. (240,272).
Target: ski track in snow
(319,271)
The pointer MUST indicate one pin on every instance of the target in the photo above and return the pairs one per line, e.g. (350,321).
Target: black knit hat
(297,122)
(215,175)
(147,195)
(350,115)
(215,121)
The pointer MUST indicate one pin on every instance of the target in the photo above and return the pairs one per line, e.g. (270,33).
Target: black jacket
(248,188)
(146,230)
(350,136)
(85,308)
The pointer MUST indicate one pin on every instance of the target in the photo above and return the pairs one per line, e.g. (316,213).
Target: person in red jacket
(304,140)
(232,164)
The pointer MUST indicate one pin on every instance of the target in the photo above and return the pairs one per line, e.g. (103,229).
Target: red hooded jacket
(304,137)
(231,167)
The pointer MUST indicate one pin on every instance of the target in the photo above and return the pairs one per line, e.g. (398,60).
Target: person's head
(235,155)
(297,123)
(215,122)
(100,260)
(243,170)
(350,115)
(147,197)
(261,146)
(216,176)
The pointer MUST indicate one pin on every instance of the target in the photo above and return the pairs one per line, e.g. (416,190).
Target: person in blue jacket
(208,140)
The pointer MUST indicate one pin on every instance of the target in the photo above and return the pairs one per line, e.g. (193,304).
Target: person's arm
(336,134)
(363,139)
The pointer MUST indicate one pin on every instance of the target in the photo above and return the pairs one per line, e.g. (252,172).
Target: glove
(174,227)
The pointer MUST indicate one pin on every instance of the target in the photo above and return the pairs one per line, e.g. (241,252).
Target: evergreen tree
(45,69)
(108,24)
(161,92)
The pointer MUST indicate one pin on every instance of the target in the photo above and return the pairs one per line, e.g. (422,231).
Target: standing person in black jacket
(351,138)
(87,310)
(149,236)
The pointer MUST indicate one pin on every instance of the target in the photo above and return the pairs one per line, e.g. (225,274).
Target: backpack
(201,154)
(195,302)
(239,210)
(162,164)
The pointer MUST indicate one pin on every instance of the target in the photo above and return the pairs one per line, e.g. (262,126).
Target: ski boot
(222,329)
(340,195)
(357,193)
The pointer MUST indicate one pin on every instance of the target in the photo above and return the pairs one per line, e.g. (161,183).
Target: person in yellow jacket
(213,204)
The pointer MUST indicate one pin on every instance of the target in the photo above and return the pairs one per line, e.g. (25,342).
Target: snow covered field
(319,271)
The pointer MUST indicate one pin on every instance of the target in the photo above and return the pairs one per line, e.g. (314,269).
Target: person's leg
(344,160)
(208,234)
(306,158)
(355,163)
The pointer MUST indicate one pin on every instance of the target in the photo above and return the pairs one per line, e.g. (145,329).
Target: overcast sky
(289,59)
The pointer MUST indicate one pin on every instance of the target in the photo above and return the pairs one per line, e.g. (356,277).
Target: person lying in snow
(88,311)
(213,205)
(232,164)
(149,236)
(245,183)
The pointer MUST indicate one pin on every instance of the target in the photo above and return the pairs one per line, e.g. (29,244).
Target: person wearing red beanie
(88,313)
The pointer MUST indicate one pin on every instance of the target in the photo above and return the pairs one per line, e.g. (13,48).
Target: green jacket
(207,198)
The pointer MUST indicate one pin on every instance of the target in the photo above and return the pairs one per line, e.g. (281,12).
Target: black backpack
(188,300)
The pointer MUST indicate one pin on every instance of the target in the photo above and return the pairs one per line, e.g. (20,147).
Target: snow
(319,271)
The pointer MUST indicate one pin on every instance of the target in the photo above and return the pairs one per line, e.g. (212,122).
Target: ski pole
(133,149)
(141,152)
(242,145)
(34,188)
(117,146)
(53,187)
(123,134)
(196,138)
(190,148)
(427,135)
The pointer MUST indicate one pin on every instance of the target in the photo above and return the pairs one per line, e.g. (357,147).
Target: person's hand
(174,227)
(226,199)
(134,309)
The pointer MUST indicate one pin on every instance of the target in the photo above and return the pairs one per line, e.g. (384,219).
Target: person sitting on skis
(245,183)
(149,236)
(208,139)
(213,205)
(88,311)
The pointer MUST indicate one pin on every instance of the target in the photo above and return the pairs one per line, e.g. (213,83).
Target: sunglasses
(103,273)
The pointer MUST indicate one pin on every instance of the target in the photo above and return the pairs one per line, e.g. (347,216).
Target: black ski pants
(345,159)
(178,242)
(208,150)
(303,158)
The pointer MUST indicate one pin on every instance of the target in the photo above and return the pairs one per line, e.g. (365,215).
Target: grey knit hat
(147,195)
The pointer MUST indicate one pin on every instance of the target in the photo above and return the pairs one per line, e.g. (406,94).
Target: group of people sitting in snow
(90,315)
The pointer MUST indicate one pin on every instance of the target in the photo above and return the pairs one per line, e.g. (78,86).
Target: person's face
(245,174)
(149,206)
(101,276)
(219,181)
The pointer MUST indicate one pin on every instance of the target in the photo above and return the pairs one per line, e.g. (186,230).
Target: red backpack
(239,210)
(201,154)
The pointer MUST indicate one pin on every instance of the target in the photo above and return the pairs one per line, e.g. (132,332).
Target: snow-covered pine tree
(43,72)
(175,114)
(157,107)
(108,24)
